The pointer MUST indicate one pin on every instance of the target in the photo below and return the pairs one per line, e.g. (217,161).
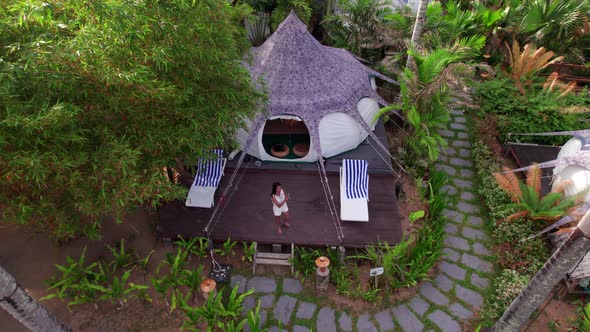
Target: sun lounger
(209,174)
(354,190)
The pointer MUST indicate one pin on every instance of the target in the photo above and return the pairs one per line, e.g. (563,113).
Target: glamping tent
(322,101)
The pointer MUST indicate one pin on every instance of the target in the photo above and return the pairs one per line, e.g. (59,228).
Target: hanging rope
(330,200)
(385,161)
(224,200)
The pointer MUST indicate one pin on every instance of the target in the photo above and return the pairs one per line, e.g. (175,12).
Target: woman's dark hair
(274,188)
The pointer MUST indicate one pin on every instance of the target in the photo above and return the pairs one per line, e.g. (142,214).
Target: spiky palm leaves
(555,23)
(527,200)
(527,62)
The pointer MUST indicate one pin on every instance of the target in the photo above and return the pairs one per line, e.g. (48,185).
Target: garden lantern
(208,286)
(322,273)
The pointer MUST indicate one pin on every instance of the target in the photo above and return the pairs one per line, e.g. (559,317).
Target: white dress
(279,210)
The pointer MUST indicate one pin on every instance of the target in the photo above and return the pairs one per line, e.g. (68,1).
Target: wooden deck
(247,215)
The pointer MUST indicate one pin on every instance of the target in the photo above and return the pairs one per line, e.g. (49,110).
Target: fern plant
(527,199)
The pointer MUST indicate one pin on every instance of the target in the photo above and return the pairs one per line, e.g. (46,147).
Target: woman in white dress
(279,206)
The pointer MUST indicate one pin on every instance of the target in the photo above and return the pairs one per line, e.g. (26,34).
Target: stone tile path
(453,296)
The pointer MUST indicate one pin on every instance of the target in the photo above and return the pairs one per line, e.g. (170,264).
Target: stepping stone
(449,189)
(384,321)
(451,254)
(465,184)
(467,208)
(326,320)
(480,249)
(460,119)
(444,321)
(240,281)
(305,310)
(284,308)
(462,135)
(469,296)
(444,283)
(476,263)
(473,234)
(461,162)
(433,295)
(451,228)
(444,168)
(267,300)
(262,284)
(292,286)
(419,305)
(460,311)
(345,322)
(299,328)
(461,144)
(453,215)
(248,304)
(464,153)
(453,270)
(407,320)
(449,151)
(466,195)
(465,173)
(364,324)
(458,126)
(457,243)
(446,133)
(457,112)
(276,329)
(480,282)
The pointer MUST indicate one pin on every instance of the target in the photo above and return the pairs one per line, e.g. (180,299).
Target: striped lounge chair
(209,174)
(354,190)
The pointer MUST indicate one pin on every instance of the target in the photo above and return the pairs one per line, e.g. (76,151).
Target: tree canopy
(97,97)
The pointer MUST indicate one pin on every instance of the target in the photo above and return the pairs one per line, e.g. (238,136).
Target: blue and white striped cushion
(357,178)
(209,172)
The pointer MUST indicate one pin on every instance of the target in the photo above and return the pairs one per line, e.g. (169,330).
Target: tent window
(286,138)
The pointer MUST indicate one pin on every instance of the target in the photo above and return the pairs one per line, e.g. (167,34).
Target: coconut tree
(18,303)
(417,30)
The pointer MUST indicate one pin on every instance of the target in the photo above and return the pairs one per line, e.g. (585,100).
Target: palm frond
(533,178)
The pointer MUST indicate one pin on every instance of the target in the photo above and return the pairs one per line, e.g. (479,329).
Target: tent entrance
(286,138)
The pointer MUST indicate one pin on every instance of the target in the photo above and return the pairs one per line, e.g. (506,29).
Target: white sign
(376,272)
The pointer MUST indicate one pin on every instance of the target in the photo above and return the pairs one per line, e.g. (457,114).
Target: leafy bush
(535,112)
(304,260)
(524,257)
(506,288)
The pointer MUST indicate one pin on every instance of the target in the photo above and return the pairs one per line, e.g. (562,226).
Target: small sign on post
(376,272)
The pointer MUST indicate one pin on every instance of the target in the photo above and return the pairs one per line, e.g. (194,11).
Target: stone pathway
(442,304)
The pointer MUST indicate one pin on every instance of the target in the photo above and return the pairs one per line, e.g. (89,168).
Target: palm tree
(16,300)
(563,260)
(555,23)
(417,31)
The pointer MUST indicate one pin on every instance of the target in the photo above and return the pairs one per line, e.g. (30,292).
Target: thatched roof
(310,80)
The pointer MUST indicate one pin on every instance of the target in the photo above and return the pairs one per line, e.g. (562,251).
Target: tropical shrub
(527,199)
(217,313)
(304,260)
(525,63)
(582,323)
(505,289)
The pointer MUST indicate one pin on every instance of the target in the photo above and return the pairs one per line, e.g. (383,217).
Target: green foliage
(81,283)
(359,25)
(169,284)
(582,322)
(341,277)
(524,257)
(95,99)
(249,251)
(416,215)
(121,257)
(505,289)
(283,7)
(227,248)
(533,113)
(304,261)
(216,313)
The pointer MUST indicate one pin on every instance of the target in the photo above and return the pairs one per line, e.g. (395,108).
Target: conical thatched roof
(309,80)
